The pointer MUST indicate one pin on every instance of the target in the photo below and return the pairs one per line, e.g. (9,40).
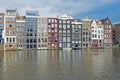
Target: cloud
(54,7)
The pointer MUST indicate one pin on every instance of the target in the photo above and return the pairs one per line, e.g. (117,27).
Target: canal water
(86,64)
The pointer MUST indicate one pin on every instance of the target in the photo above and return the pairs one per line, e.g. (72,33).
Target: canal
(92,64)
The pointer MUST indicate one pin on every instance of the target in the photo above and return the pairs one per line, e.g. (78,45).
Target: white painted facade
(97,30)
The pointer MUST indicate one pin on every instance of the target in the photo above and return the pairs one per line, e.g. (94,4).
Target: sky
(94,9)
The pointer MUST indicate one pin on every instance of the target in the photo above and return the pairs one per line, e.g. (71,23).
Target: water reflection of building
(20,63)
(97,64)
(59,64)
(2,63)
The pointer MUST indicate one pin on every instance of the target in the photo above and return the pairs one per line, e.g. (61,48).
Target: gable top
(66,16)
(106,21)
(12,12)
(86,19)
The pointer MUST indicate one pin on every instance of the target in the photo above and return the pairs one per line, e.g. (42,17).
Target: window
(64,21)
(64,31)
(52,34)
(79,26)
(86,38)
(68,31)
(0,18)
(30,40)
(10,40)
(52,20)
(10,45)
(34,40)
(64,39)
(68,21)
(83,33)
(10,25)
(68,44)
(86,45)
(45,39)
(95,35)
(42,40)
(109,26)
(83,39)
(89,33)
(7,39)
(11,19)
(55,20)
(83,44)
(68,26)
(68,39)
(89,39)
(64,26)
(55,25)
(60,21)
(60,39)
(13,39)
(0,26)
(60,26)
(86,33)
(73,26)
(60,44)
(98,36)
(73,42)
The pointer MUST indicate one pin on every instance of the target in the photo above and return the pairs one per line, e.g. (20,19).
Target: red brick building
(52,33)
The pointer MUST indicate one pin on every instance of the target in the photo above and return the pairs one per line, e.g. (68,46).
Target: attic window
(100,22)
(107,21)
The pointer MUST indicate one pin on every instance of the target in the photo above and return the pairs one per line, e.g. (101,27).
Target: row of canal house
(101,33)
(33,31)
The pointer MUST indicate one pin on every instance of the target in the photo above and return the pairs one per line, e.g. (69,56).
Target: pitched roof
(106,21)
